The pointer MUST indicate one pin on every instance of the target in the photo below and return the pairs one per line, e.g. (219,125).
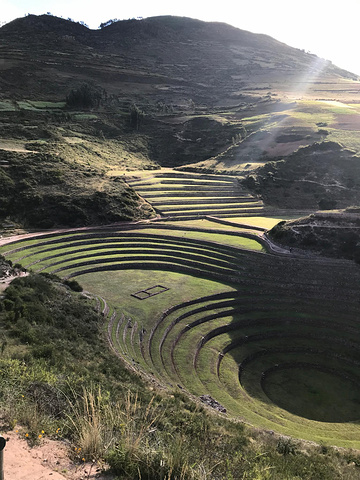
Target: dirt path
(48,461)
(5,281)
(273,247)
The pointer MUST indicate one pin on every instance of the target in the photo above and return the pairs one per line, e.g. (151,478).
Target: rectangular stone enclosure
(149,292)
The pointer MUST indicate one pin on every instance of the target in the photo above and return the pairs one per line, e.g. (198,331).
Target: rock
(208,400)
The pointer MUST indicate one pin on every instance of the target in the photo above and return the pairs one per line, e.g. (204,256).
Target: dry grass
(95,422)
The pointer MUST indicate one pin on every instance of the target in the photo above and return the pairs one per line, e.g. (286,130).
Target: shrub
(85,96)
(327,204)
(74,285)
(286,446)
(136,117)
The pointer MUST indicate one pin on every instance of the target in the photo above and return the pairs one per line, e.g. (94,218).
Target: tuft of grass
(94,422)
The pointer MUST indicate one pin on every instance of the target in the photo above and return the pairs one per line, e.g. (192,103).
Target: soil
(5,281)
(49,460)
(347,122)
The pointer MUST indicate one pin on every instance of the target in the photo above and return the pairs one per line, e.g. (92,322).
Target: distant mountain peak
(33,24)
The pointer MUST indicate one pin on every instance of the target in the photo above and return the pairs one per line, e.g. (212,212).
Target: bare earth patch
(278,149)
(347,122)
(14,146)
(49,460)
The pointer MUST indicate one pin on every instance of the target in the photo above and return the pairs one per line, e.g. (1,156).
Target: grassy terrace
(227,345)
(244,352)
(245,356)
(179,194)
(200,305)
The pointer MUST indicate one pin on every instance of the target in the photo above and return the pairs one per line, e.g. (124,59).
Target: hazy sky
(328,28)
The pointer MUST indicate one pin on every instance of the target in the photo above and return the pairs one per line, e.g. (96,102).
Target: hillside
(322,176)
(333,234)
(140,94)
(43,191)
(168,59)
(60,380)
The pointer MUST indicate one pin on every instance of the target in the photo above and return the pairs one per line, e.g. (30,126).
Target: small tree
(85,96)
(327,204)
(136,116)
(109,22)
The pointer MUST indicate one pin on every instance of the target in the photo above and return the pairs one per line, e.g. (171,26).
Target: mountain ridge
(204,53)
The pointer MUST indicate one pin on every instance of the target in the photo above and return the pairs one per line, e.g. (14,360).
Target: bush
(286,446)
(136,117)
(84,97)
(74,285)
(327,204)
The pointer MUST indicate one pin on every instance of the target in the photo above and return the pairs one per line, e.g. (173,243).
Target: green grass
(256,410)
(25,105)
(211,225)
(263,221)
(178,194)
(311,113)
(47,105)
(28,246)
(298,313)
(123,284)
(347,138)
(322,398)
(168,208)
(35,257)
(7,106)
(194,200)
(33,105)
(222,239)
(85,116)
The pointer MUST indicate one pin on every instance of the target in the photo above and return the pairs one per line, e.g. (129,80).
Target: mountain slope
(333,234)
(42,191)
(182,57)
(140,94)
(324,175)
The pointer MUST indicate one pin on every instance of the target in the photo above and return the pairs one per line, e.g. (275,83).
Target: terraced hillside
(273,338)
(280,354)
(179,194)
(142,246)
(197,299)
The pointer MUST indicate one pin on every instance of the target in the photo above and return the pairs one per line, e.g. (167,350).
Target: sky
(327,28)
